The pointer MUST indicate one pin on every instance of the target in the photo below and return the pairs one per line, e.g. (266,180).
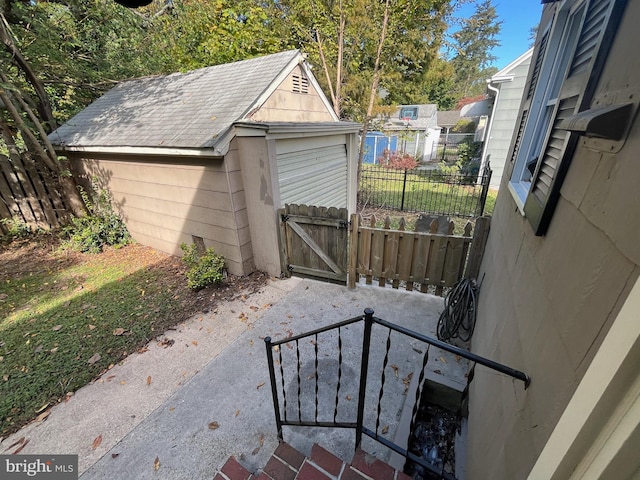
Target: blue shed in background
(376,143)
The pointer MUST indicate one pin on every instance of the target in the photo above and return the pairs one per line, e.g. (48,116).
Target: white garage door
(312,176)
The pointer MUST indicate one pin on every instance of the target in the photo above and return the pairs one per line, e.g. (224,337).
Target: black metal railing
(355,337)
(428,191)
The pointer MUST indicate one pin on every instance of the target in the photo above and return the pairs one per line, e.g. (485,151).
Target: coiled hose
(458,318)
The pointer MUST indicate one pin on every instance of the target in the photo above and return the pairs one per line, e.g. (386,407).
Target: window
(569,56)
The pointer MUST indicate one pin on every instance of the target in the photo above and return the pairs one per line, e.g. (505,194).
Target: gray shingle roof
(426,118)
(448,118)
(183,110)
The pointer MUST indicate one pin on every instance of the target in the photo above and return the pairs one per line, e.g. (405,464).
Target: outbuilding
(209,156)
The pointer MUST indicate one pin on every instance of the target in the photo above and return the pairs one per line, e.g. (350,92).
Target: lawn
(422,191)
(66,317)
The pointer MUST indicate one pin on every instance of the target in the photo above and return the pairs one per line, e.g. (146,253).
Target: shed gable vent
(300,84)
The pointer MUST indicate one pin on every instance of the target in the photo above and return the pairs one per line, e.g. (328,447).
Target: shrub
(16,228)
(397,160)
(102,226)
(464,125)
(206,268)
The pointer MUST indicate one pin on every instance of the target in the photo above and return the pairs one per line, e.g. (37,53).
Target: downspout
(489,127)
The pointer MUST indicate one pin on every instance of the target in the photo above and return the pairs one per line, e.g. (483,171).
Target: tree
(472,45)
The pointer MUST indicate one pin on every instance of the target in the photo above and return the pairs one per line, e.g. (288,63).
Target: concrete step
(287,463)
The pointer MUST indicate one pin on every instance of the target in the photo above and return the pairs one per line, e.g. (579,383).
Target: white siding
(313,176)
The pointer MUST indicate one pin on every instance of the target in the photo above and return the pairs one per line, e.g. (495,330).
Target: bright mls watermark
(46,467)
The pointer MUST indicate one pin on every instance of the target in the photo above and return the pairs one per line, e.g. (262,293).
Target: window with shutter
(580,36)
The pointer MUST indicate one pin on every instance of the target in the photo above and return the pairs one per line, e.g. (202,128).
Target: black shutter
(530,88)
(596,36)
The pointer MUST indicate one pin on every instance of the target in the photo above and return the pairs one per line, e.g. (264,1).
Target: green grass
(53,321)
(422,193)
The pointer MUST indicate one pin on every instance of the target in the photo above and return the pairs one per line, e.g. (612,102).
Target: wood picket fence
(399,257)
(29,195)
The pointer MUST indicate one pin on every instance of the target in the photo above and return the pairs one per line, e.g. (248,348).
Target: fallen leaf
(254,308)
(123,382)
(96,442)
(156,464)
(385,429)
(214,426)
(94,359)
(43,416)
(348,397)
(458,358)
(417,350)
(442,359)
(260,385)
(118,331)
(56,328)
(195,342)
(149,380)
(395,370)
(115,455)
(266,305)
(17,442)
(255,451)
(91,327)
(143,349)
(54,349)
(171,409)
(237,413)
(407,382)
(68,396)
(438,372)
(19,449)
(110,377)
(43,407)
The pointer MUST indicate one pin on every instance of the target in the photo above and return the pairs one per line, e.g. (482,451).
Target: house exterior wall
(547,303)
(287,105)
(505,117)
(166,201)
(259,174)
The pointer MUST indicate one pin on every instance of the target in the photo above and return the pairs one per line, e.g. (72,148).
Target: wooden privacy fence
(29,195)
(408,258)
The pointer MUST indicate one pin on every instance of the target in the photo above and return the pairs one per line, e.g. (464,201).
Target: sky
(518,16)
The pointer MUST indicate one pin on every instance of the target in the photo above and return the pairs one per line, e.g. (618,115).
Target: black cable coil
(458,318)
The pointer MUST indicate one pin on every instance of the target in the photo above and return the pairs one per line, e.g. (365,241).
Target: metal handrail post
(274,390)
(364,367)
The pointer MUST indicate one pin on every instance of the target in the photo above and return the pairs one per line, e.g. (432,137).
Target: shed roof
(426,117)
(448,118)
(181,110)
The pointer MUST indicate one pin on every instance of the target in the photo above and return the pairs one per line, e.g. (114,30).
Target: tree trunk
(44,105)
(374,89)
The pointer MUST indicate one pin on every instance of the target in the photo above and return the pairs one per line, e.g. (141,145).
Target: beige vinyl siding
(165,203)
(286,104)
(547,303)
(313,172)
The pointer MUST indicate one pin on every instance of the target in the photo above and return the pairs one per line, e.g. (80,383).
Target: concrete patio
(189,430)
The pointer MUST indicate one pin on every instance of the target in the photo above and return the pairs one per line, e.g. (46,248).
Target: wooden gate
(314,241)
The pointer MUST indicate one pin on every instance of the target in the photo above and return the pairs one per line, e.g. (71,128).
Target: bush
(205,268)
(101,227)
(397,160)
(16,228)
(464,125)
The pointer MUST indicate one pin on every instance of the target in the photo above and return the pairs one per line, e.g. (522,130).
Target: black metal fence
(428,191)
(317,378)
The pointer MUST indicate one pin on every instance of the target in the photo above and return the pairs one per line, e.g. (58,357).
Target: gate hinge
(284,217)
(344,224)
(290,268)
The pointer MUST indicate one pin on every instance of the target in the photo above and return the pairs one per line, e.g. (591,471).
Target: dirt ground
(42,253)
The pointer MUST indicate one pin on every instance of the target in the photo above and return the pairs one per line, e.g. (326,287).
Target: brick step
(287,463)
